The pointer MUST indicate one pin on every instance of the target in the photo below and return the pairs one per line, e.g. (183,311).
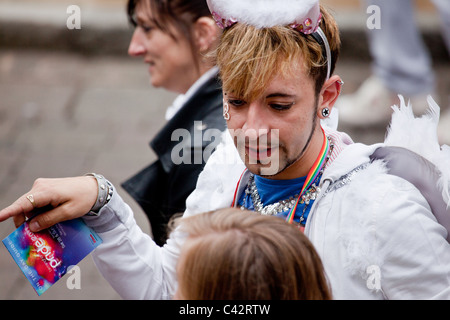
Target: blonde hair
(235,254)
(249,57)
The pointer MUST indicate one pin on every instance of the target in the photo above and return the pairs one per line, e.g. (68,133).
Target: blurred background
(73,101)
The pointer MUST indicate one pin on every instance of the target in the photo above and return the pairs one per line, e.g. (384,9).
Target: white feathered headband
(302,15)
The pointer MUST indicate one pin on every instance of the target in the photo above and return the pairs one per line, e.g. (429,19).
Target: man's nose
(257,121)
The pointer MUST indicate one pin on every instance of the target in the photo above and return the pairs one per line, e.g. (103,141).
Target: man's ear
(206,33)
(331,90)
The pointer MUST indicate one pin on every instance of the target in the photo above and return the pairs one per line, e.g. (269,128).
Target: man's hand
(66,199)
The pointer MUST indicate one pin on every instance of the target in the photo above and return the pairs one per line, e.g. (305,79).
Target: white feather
(420,135)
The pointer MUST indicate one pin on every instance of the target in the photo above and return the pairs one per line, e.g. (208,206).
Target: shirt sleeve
(134,265)
(129,259)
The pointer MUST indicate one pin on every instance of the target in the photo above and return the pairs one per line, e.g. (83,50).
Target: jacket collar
(349,158)
(345,157)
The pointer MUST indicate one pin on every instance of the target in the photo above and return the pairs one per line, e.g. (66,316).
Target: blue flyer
(44,257)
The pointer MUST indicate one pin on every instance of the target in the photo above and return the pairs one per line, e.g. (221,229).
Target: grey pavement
(66,111)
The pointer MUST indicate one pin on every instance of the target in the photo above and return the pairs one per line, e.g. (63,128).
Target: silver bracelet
(105,192)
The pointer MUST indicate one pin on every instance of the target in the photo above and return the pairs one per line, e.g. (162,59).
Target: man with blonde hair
(374,231)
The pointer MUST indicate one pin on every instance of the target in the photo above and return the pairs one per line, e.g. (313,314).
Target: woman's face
(171,62)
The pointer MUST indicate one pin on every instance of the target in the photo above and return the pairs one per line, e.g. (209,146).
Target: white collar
(181,99)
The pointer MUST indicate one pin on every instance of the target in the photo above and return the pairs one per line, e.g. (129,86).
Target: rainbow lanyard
(312,175)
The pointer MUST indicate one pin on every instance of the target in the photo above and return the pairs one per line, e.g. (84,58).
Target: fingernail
(34,226)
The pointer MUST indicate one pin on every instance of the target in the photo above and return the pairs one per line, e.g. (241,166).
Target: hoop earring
(226,109)
(325,112)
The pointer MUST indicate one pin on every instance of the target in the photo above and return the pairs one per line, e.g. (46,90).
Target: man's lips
(259,153)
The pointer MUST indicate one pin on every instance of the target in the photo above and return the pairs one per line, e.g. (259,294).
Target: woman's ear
(206,33)
(331,90)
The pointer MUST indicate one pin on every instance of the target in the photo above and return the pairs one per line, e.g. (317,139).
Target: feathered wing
(420,135)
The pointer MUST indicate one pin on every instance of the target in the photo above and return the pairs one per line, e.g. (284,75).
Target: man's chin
(264,170)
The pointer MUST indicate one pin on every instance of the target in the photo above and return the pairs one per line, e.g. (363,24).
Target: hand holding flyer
(44,257)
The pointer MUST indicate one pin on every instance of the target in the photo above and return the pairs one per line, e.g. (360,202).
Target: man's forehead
(290,85)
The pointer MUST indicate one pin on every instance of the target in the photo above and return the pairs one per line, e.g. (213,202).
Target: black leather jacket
(161,188)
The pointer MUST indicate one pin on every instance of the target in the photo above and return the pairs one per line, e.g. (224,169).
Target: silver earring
(226,109)
(325,112)
(341,83)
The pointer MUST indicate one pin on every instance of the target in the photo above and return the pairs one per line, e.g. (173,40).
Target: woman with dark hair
(174,38)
